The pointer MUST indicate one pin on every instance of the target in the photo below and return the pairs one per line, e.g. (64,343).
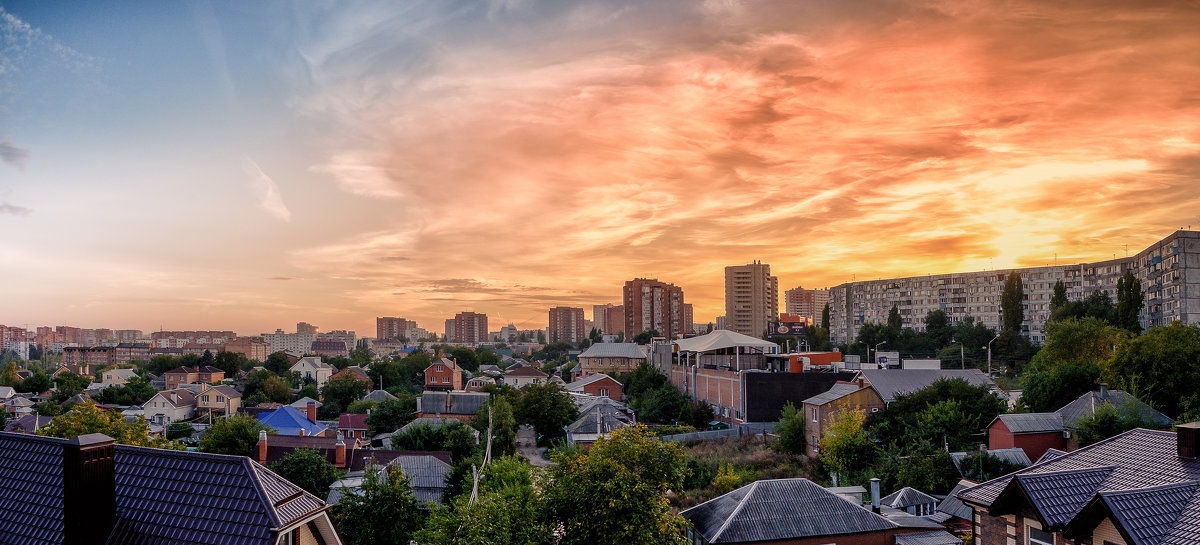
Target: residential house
(311,367)
(598,384)
(444,374)
(88,491)
(356,372)
(302,404)
(289,421)
(599,421)
(800,512)
(427,475)
(344,455)
(1137,488)
(1034,433)
(82,368)
(354,427)
(822,410)
(477,383)
(29,423)
(889,383)
(202,374)
(1125,403)
(460,406)
(222,399)
(911,501)
(7,393)
(524,376)
(952,513)
(610,358)
(170,406)
(129,351)
(19,405)
(116,377)
(379,396)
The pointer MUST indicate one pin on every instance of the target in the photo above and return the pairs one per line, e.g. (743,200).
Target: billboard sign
(787,328)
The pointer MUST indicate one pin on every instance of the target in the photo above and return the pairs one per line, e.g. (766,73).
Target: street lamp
(989,349)
(877,345)
(962,355)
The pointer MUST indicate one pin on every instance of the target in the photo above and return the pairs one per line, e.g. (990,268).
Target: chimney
(1103,391)
(89,488)
(1187,437)
(262,446)
(875,495)
(860,384)
(339,456)
(312,412)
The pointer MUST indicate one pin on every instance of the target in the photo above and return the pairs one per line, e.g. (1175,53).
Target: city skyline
(247,167)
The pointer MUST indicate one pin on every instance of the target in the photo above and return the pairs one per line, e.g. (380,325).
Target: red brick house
(1035,433)
(354,427)
(599,385)
(443,374)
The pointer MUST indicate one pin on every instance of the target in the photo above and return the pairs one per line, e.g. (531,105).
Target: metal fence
(753,428)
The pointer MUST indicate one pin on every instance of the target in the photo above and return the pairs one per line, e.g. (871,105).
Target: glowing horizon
(248,167)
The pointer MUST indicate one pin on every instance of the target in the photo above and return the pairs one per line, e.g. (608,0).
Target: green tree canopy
(383,512)
(1129,302)
(1160,367)
(85,418)
(546,407)
(135,391)
(845,446)
(508,512)
(392,414)
(982,467)
(1070,362)
(504,426)
(1012,303)
(645,336)
(307,469)
(1106,422)
(9,376)
(791,431)
(615,492)
(343,390)
(921,415)
(278,363)
(236,435)
(39,382)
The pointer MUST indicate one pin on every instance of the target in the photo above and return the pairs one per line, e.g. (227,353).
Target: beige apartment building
(751,298)
(807,304)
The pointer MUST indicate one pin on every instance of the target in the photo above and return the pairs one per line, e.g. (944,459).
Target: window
(604,392)
(1039,537)
(445,380)
(220,399)
(204,399)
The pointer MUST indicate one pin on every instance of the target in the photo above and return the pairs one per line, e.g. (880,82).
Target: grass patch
(748,459)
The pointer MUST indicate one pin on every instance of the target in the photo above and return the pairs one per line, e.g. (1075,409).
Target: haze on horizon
(225,165)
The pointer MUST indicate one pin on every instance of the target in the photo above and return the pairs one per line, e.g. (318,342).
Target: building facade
(387,328)
(1169,271)
(805,303)
(650,304)
(470,327)
(751,298)
(609,318)
(566,325)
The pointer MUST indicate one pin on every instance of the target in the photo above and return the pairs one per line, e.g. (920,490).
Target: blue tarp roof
(289,421)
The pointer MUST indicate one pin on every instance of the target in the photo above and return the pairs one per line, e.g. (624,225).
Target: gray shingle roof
(432,402)
(1014,455)
(1085,406)
(892,382)
(907,497)
(933,537)
(613,350)
(780,509)
(954,507)
(1149,514)
(379,396)
(1137,459)
(837,391)
(31,500)
(1031,422)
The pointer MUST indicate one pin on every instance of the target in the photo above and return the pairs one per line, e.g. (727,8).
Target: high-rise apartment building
(609,318)
(566,325)
(805,303)
(751,298)
(650,304)
(306,328)
(390,329)
(1169,271)
(470,327)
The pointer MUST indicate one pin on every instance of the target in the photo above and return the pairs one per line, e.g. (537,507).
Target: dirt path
(528,449)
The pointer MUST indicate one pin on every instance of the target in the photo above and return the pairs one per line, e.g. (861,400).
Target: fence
(753,428)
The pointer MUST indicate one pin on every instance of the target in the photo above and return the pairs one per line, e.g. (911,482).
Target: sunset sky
(248,165)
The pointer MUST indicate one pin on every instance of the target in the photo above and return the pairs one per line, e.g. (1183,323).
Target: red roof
(352,422)
(524,372)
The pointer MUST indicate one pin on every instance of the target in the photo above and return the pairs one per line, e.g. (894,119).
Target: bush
(180,430)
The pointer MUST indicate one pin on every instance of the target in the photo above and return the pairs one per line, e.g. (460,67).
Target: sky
(250,165)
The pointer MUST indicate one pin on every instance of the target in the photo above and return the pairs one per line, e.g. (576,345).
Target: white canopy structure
(721,339)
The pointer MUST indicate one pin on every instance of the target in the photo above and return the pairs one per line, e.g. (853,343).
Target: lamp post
(989,349)
(877,345)
(962,355)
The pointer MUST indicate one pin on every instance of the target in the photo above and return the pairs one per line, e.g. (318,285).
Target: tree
(1059,300)
(343,390)
(454,437)
(1049,389)
(278,363)
(1012,303)
(361,355)
(1161,367)
(546,407)
(307,469)
(911,418)
(825,317)
(9,377)
(1129,302)
(645,336)
(894,322)
(791,431)
(135,391)
(504,426)
(392,414)
(39,382)
(85,418)
(207,358)
(180,430)
(945,423)
(615,492)
(508,511)
(276,390)
(230,362)
(938,328)
(237,435)
(1107,421)
(932,471)
(68,384)
(845,446)
(361,406)
(382,512)
(983,466)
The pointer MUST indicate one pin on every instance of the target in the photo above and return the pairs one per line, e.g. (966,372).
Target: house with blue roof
(289,421)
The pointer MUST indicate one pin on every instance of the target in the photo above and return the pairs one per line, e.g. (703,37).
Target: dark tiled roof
(524,372)
(1031,422)
(1138,459)
(1149,514)
(1085,406)
(837,391)
(780,509)
(352,422)
(1050,454)
(168,496)
(31,498)
(28,423)
(933,537)
(907,497)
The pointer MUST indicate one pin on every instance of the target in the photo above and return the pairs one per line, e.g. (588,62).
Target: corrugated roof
(780,509)
(31,499)
(837,391)
(1014,455)
(379,396)
(892,382)
(907,497)
(954,507)
(352,421)
(613,350)
(1085,406)
(432,402)
(933,537)
(1031,422)
(600,419)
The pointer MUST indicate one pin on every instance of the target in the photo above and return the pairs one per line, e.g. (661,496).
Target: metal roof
(837,391)
(907,497)
(1014,455)
(1148,515)
(584,381)
(432,402)
(932,537)
(780,509)
(892,382)
(31,500)
(289,421)
(1031,422)
(1134,460)
(614,350)
(954,507)
(1085,406)
(379,396)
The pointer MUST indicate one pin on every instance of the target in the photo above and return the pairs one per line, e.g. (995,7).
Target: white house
(116,377)
(523,376)
(170,406)
(312,367)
